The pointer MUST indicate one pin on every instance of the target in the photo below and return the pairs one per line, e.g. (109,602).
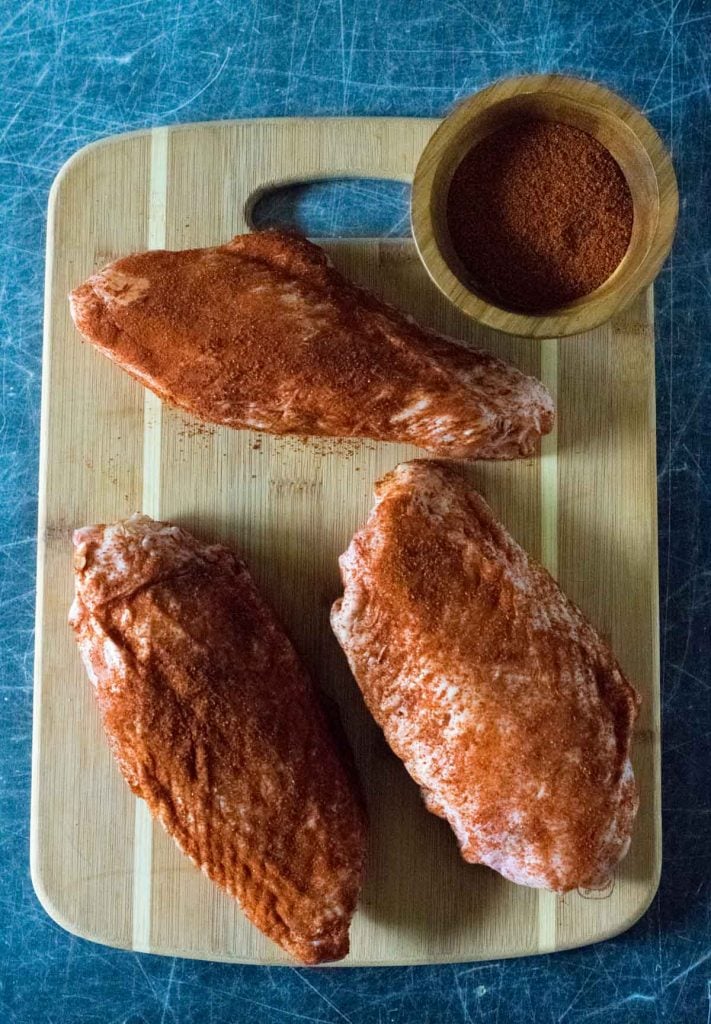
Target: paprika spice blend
(543,204)
(539,214)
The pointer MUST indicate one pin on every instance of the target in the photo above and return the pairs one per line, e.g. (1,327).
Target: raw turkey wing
(505,705)
(216,725)
(264,333)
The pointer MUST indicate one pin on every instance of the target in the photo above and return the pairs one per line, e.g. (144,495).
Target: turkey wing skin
(264,333)
(501,699)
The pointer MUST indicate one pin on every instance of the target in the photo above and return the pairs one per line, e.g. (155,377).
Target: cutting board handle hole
(334,208)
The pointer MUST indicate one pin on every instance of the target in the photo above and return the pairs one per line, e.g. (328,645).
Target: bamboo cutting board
(586,508)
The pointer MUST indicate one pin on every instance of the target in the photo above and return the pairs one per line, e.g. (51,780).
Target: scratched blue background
(71,72)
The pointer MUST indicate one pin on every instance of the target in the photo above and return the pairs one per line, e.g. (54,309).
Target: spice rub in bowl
(544,204)
(540,214)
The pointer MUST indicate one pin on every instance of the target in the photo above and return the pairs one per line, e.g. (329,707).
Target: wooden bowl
(618,126)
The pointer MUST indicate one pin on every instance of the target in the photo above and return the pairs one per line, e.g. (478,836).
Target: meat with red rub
(264,333)
(505,705)
(217,726)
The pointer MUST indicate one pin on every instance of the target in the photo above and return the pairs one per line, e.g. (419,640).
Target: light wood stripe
(548,901)
(549,464)
(152,423)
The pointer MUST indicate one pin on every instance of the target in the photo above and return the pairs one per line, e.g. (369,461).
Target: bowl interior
(605,126)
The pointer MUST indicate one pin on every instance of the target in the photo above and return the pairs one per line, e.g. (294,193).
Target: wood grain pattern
(587,508)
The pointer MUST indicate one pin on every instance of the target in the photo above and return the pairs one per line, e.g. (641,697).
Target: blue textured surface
(71,72)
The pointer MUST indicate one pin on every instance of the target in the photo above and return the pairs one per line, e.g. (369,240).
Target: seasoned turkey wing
(504,704)
(216,725)
(264,333)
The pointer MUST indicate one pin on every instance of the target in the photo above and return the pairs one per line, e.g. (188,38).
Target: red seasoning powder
(540,214)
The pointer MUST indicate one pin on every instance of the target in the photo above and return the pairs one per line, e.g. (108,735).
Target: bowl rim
(586,312)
